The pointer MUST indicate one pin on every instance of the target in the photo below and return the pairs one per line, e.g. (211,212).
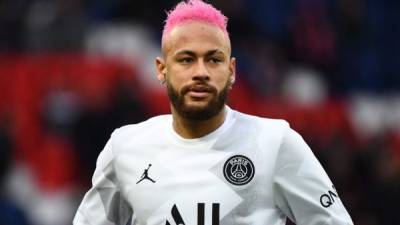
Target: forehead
(196,37)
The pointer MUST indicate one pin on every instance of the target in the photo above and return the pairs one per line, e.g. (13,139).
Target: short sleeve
(302,189)
(103,204)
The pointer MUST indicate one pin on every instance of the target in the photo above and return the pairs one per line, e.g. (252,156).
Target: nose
(201,71)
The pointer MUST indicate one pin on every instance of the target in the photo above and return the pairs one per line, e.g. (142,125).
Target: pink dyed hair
(194,10)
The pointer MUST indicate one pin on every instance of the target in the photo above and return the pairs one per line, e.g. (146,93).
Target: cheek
(176,82)
(222,79)
(174,76)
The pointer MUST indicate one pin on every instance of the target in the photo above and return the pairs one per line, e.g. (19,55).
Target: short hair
(194,10)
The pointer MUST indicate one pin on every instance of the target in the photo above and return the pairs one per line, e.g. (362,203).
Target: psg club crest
(239,170)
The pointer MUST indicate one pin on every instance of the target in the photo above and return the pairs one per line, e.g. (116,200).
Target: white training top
(249,171)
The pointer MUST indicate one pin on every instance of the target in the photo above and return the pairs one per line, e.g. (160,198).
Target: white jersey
(249,171)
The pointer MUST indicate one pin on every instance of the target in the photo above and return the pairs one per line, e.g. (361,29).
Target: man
(210,164)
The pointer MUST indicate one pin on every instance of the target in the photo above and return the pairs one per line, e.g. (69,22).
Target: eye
(185,60)
(215,60)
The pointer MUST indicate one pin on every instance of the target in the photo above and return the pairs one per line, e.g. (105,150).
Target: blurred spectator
(56,25)
(305,87)
(313,36)
(12,15)
(261,65)
(373,115)
(130,43)
(10,213)
(97,121)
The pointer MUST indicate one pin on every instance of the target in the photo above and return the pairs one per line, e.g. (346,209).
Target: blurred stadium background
(72,71)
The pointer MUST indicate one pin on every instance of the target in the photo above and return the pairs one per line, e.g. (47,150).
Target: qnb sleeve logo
(239,170)
(328,198)
(176,215)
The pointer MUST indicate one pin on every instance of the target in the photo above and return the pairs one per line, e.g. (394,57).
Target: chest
(202,184)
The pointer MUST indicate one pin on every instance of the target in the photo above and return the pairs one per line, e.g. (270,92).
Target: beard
(197,113)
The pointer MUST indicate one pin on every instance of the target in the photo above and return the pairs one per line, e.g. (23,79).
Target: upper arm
(302,189)
(103,204)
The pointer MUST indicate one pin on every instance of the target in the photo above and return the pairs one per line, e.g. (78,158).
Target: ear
(232,68)
(161,69)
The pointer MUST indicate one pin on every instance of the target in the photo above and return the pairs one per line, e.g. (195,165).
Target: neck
(190,129)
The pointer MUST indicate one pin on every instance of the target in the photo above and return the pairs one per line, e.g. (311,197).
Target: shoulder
(264,124)
(142,129)
(266,133)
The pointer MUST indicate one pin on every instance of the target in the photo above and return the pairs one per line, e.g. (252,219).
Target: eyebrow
(191,53)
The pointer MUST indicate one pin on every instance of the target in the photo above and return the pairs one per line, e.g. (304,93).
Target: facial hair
(213,107)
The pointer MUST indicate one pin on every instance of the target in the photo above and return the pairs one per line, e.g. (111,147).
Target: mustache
(200,87)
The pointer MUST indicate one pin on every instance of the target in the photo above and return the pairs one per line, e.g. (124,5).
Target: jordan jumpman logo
(145,175)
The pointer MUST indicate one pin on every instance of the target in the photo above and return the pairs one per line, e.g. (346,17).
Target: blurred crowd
(73,71)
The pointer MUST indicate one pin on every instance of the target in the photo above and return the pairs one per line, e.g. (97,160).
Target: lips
(199,91)
(196,94)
